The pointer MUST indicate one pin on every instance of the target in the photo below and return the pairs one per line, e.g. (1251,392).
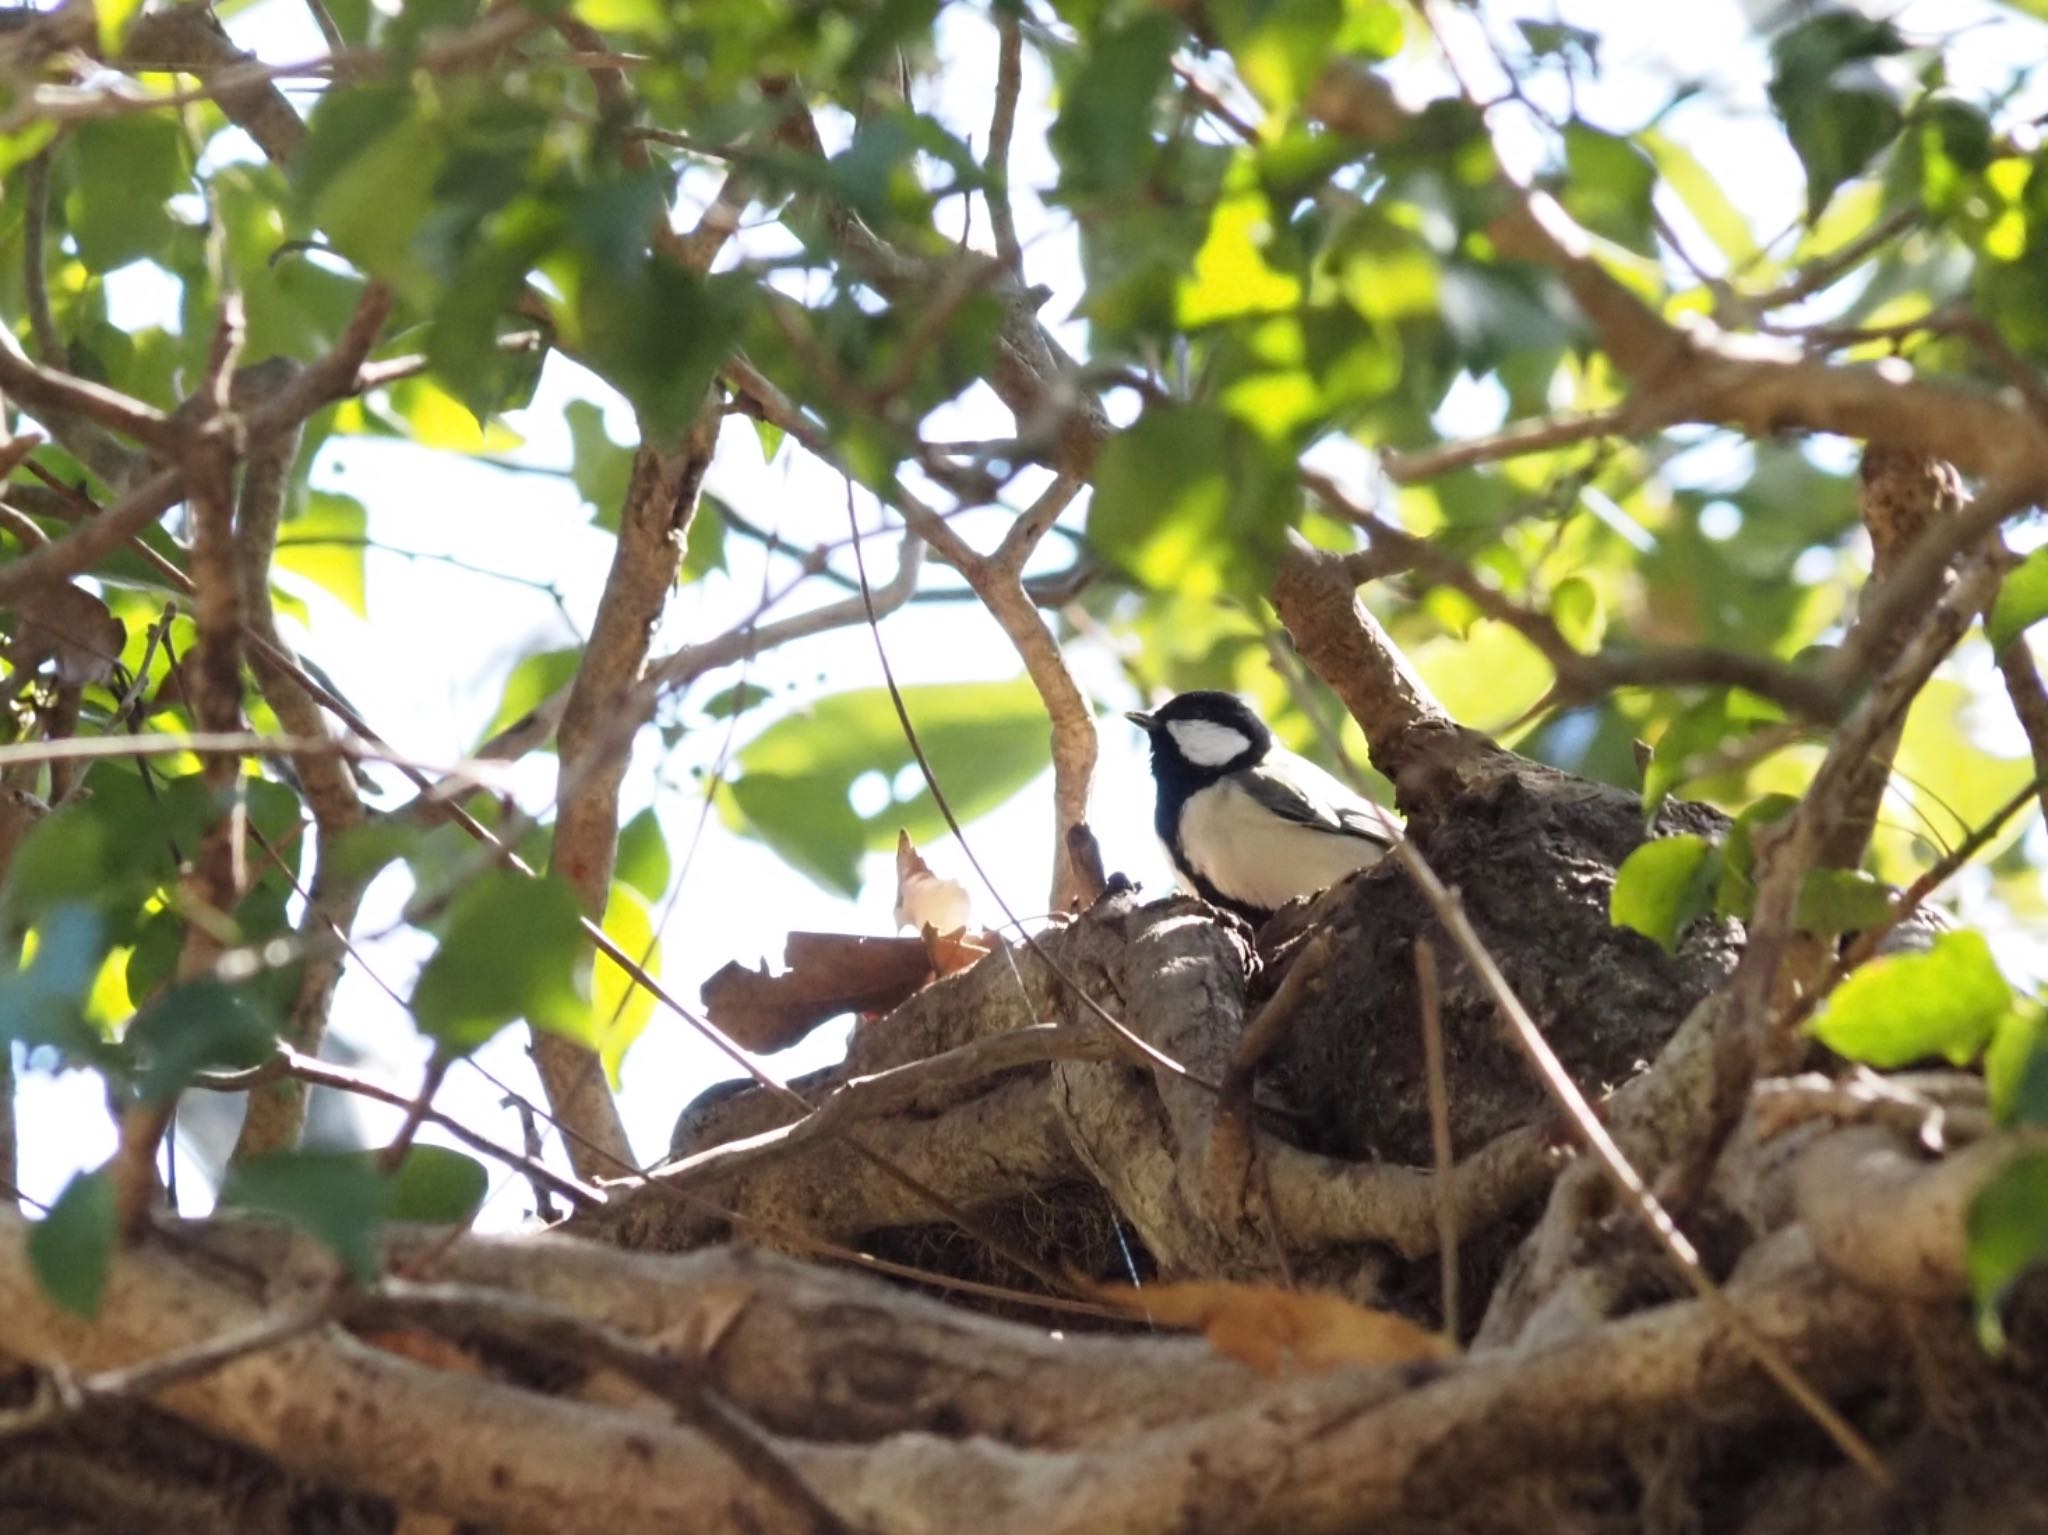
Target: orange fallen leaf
(1272,1329)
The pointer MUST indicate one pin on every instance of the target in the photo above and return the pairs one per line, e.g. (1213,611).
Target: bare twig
(1002,125)
(317,1073)
(1538,436)
(1581,676)
(63,1398)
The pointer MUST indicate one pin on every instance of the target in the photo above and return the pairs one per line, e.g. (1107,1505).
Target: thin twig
(63,1400)
(1002,125)
(1536,436)
(318,1073)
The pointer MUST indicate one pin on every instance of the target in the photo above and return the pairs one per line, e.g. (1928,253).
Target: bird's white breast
(1250,855)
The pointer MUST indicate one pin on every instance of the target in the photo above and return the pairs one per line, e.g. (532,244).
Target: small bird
(1249,824)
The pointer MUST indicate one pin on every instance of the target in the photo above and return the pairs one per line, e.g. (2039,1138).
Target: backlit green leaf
(534,680)
(1842,901)
(438,1185)
(1662,886)
(1189,500)
(985,741)
(514,949)
(620,1008)
(1579,612)
(325,543)
(643,859)
(1903,1008)
(2022,600)
(1608,185)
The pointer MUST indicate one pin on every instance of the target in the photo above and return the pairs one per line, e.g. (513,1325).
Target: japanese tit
(1250,825)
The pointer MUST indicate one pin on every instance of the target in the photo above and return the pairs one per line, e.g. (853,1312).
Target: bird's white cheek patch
(1207,744)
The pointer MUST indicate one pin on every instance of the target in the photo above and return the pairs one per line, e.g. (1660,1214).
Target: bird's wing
(1296,790)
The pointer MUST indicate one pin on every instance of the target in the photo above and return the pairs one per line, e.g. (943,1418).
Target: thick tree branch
(1692,371)
(596,740)
(277,1109)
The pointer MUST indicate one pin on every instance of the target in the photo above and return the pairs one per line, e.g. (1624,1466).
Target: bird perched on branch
(1248,824)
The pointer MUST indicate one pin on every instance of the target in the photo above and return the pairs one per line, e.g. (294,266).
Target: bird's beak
(1142,720)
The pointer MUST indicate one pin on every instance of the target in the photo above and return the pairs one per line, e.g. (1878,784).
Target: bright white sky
(428,669)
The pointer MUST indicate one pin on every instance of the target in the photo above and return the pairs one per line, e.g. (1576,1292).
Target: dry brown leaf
(924,899)
(825,974)
(74,628)
(1272,1329)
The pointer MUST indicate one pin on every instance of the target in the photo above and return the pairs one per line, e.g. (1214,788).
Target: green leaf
(115,17)
(1736,894)
(1551,39)
(1696,732)
(601,468)
(2008,1234)
(336,1196)
(1842,901)
(1608,185)
(325,543)
(737,699)
(72,1248)
(515,949)
(1662,886)
(643,859)
(374,204)
(655,332)
(1907,1007)
(1837,109)
(363,851)
(194,1027)
(124,170)
(1103,135)
(1579,613)
(621,1008)
(1281,48)
(1231,277)
(66,859)
(1701,192)
(2016,1068)
(534,680)
(1188,500)
(44,1002)
(985,741)
(704,549)
(2022,600)
(439,1186)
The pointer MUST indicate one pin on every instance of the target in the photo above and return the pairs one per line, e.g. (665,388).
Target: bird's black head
(1198,737)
